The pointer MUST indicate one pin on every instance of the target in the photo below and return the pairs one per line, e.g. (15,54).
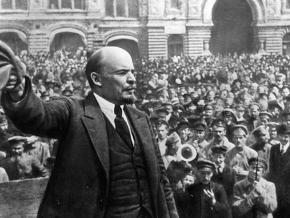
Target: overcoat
(79,183)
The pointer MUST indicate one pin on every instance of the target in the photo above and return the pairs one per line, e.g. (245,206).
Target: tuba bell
(186,152)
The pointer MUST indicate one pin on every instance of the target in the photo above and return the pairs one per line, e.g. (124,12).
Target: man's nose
(131,78)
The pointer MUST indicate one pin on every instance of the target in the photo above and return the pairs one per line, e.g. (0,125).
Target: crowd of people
(222,124)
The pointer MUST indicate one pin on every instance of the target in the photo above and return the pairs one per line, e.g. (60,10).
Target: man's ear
(96,79)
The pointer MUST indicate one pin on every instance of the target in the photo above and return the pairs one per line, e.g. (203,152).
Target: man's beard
(129,99)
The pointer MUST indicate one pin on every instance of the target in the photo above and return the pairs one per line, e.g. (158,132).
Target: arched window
(286,44)
(122,8)
(175,45)
(13,4)
(67,4)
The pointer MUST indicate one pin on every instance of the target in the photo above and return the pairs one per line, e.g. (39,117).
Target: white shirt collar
(284,147)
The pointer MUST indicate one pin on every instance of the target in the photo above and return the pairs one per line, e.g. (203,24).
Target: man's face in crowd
(188,180)
(255,172)
(210,95)
(219,132)
(218,158)
(285,92)
(17,148)
(239,138)
(284,138)
(263,136)
(183,133)
(117,78)
(240,112)
(205,175)
(208,112)
(162,131)
(199,134)
(254,111)
(273,132)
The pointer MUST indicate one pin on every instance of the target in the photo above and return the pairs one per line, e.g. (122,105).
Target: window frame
(126,11)
(13,9)
(72,9)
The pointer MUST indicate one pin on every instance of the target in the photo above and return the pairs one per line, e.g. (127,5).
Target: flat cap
(219,149)
(240,126)
(17,139)
(203,163)
(283,129)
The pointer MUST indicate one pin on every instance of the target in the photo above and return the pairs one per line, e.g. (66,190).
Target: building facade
(151,28)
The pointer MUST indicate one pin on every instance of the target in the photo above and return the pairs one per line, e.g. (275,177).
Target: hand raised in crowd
(210,196)
(15,84)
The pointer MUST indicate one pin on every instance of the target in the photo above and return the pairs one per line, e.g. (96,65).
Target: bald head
(111,69)
(108,58)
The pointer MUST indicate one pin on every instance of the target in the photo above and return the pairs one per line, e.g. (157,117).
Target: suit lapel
(95,124)
(140,125)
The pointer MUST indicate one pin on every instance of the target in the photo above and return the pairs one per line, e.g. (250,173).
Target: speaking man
(107,163)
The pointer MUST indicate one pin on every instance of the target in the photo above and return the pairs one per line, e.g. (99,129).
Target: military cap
(182,124)
(274,104)
(218,123)
(208,107)
(255,104)
(272,124)
(162,110)
(203,163)
(259,162)
(265,113)
(161,122)
(257,131)
(17,139)
(283,129)
(219,149)
(201,126)
(240,126)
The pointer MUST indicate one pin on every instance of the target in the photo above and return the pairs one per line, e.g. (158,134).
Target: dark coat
(196,205)
(279,174)
(227,179)
(79,183)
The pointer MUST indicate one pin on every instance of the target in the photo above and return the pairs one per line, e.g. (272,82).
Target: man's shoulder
(135,110)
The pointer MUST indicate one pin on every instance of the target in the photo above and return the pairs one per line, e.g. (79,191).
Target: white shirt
(284,148)
(108,109)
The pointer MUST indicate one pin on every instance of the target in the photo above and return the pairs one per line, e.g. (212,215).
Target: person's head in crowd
(168,106)
(199,129)
(272,130)
(162,129)
(283,131)
(236,85)
(110,72)
(172,144)
(210,96)
(208,111)
(219,155)
(285,91)
(280,79)
(257,169)
(17,145)
(205,169)
(228,116)
(253,88)
(240,133)
(183,130)
(274,108)
(224,94)
(265,117)
(45,96)
(67,92)
(286,116)
(274,92)
(162,113)
(254,110)
(57,88)
(176,172)
(172,93)
(261,135)
(190,107)
(188,180)
(218,130)
(240,111)
(219,105)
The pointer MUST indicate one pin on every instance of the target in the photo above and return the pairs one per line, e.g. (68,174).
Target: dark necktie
(121,126)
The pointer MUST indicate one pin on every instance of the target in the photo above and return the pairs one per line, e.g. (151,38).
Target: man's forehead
(115,58)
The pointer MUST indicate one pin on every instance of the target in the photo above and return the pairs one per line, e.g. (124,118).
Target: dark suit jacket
(227,179)
(78,186)
(198,207)
(279,173)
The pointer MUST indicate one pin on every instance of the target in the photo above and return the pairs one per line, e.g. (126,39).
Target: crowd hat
(205,164)
(219,149)
(241,126)
(283,129)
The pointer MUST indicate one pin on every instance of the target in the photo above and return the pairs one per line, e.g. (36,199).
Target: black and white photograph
(144,108)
